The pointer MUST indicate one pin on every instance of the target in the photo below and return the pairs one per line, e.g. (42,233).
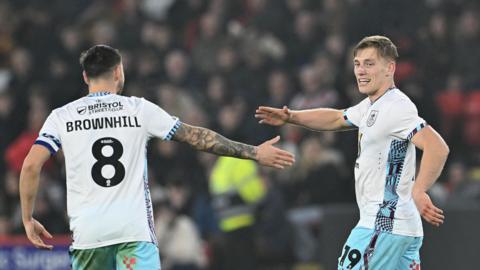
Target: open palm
(273,116)
(269,155)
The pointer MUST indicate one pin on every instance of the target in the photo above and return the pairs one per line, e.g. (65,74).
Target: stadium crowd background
(211,63)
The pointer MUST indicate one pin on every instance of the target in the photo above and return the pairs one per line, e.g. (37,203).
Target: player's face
(373,73)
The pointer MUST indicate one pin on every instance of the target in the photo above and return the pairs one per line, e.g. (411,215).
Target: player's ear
(391,68)
(117,72)
(85,78)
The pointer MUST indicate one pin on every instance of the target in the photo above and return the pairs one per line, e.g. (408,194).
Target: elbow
(446,150)
(439,149)
(443,150)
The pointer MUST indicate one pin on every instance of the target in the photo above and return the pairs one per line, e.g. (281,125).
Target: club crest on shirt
(372,117)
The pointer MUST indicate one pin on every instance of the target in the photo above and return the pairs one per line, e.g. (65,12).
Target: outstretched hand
(273,116)
(269,155)
(427,209)
(34,230)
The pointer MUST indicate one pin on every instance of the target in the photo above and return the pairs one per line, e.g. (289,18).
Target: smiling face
(374,73)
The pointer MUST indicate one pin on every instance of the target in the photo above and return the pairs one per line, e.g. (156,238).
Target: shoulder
(365,102)
(362,106)
(398,101)
(133,101)
(76,105)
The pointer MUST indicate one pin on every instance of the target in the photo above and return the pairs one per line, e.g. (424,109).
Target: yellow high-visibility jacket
(235,187)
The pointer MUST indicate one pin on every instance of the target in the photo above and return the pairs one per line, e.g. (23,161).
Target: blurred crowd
(212,63)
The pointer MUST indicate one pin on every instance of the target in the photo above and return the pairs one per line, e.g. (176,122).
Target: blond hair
(384,46)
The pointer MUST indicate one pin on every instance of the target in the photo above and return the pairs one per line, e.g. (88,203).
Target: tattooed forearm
(209,141)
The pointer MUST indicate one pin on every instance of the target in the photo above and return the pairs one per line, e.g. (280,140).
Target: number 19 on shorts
(354,256)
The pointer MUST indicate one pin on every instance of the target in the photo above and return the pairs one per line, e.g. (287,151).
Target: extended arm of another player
(204,139)
(320,119)
(29,179)
(435,152)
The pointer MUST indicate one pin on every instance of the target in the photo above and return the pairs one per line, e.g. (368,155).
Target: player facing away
(389,233)
(103,136)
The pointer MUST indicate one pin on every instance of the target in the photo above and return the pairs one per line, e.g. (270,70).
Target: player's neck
(381,92)
(102,87)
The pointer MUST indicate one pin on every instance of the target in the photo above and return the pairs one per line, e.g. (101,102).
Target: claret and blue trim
(173,131)
(347,120)
(417,129)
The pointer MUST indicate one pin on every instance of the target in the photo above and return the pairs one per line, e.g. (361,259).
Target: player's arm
(435,152)
(29,179)
(315,119)
(204,139)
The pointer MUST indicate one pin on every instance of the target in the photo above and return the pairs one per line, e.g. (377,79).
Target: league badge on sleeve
(372,117)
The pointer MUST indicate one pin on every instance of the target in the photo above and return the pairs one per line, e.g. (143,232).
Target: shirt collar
(99,94)
(386,91)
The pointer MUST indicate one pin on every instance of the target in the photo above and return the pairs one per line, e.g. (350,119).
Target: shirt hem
(109,243)
(413,233)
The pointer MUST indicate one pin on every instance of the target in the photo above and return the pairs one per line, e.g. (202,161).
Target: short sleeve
(354,114)
(158,122)
(49,135)
(405,120)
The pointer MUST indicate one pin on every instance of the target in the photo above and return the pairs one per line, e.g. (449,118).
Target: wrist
(290,117)
(417,190)
(255,153)
(26,220)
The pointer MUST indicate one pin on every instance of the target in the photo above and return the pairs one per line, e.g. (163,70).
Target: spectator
(451,106)
(207,44)
(179,240)
(315,90)
(18,149)
(304,39)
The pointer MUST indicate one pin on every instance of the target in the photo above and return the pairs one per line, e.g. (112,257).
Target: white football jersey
(385,165)
(104,138)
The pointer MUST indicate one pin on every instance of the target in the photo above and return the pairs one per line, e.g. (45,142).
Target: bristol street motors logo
(372,118)
(82,110)
(99,107)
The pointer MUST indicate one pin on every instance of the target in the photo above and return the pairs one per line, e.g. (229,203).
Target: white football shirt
(104,138)
(385,165)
